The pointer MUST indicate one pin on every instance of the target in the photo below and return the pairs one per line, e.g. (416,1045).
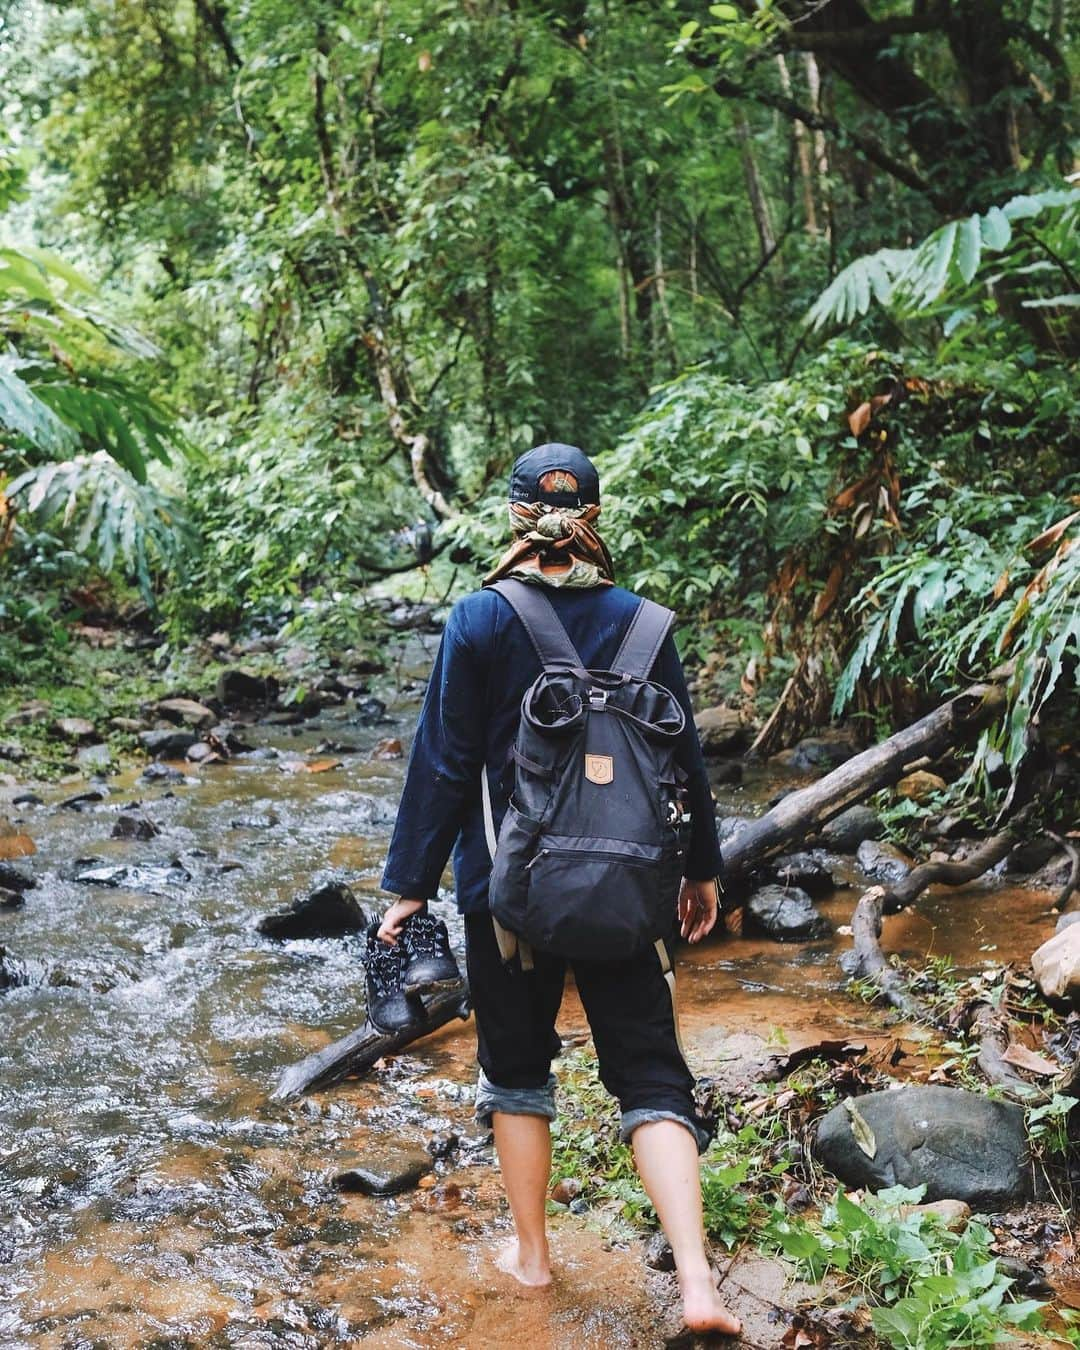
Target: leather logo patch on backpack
(599,769)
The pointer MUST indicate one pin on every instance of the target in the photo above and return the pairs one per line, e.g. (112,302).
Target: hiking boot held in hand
(429,962)
(390,1008)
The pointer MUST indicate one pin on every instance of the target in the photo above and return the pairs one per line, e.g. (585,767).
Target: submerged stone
(130,826)
(14,877)
(167,744)
(384,1170)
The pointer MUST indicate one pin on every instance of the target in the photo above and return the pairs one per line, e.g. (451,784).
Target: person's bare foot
(704,1310)
(533,1272)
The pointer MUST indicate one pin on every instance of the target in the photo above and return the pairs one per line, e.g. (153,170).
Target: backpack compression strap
(546,633)
(643,639)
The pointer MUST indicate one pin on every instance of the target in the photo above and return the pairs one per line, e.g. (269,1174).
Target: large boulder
(850,828)
(785,914)
(720,730)
(959,1145)
(329,911)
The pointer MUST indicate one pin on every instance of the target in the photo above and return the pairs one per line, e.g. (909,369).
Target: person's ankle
(693,1270)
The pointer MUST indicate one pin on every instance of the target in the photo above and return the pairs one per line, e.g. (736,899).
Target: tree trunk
(802,151)
(802,813)
(759,203)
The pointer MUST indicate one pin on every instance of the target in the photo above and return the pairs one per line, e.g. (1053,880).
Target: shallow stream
(150,1194)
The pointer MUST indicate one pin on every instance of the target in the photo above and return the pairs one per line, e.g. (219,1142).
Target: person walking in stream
(556,756)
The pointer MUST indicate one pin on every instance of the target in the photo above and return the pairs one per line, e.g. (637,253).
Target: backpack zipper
(592,853)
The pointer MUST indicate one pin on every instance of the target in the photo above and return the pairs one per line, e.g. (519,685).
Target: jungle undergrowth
(921,1286)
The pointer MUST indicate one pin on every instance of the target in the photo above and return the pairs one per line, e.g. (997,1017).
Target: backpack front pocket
(599,899)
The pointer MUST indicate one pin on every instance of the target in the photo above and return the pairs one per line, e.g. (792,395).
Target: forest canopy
(285,288)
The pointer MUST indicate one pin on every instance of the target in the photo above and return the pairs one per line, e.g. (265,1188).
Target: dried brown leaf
(859,420)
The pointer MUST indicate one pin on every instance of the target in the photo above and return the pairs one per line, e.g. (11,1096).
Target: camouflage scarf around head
(554,546)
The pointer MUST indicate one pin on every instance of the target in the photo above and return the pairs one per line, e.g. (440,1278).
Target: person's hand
(698,906)
(393,921)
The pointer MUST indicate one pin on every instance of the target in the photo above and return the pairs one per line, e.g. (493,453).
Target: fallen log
(803,813)
(870,961)
(355,1053)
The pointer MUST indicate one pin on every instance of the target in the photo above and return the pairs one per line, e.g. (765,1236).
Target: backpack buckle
(598,698)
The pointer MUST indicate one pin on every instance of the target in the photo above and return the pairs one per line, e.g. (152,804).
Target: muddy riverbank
(151,1193)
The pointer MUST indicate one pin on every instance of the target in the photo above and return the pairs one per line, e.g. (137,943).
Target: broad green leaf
(968,247)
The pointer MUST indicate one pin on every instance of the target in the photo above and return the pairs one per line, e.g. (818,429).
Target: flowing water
(150,1194)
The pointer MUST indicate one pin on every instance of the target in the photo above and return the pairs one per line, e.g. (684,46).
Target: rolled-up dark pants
(629,1007)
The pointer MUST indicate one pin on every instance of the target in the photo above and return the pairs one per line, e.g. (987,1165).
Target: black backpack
(589,856)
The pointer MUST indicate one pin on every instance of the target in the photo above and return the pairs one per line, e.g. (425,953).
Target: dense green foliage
(368,252)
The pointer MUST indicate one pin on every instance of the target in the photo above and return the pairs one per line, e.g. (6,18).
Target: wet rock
(185,712)
(726,772)
(11,899)
(166,744)
(785,914)
(82,800)
(579,1206)
(388,748)
(161,773)
(817,752)
(1031,855)
(135,877)
(566,1190)
(803,871)
(27,799)
(952,825)
(883,862)
(329,911)
(200,752)
(442,1145)
(369,711)
(850,828)
(13,752)
(130,826)
(658,1253)
(384,1170)
(94,758)
(15,877)
(74,728)
(1054,875)
(29,713)
(230,739)
(720,729)
(959,1145)
(239,688)
(920,786)
(131,725)
(265,820)
(13,973)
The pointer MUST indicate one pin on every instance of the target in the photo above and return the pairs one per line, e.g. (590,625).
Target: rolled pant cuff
(533,1101)
(643,1115)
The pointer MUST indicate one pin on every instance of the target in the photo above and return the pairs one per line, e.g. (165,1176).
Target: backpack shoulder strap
(643,639)
(536,612)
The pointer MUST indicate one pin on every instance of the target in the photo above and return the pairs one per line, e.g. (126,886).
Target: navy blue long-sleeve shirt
(470,717)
